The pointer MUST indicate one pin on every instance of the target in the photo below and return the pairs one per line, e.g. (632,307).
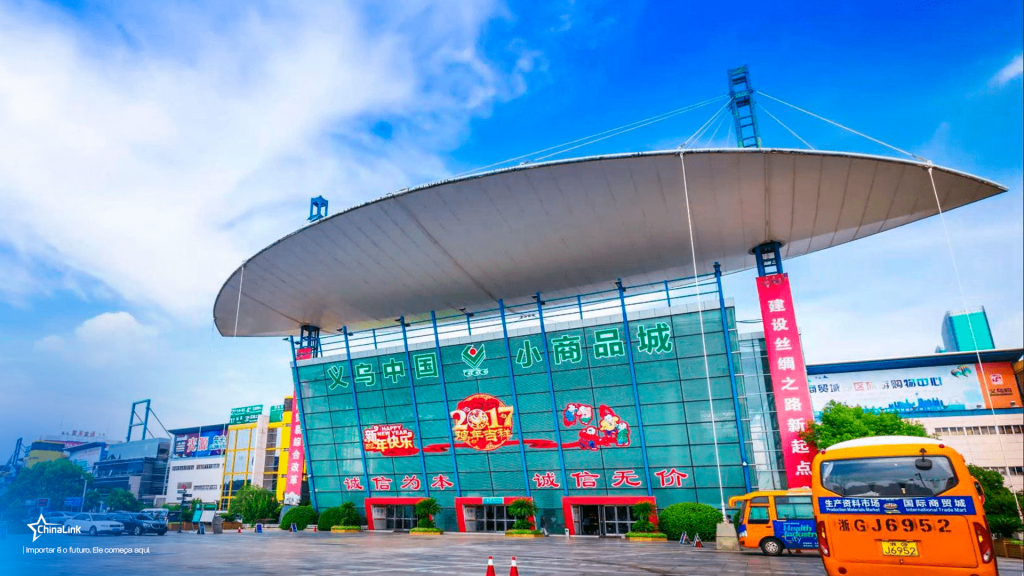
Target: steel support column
(636,389)
(551,389)
(355,409)
(732,377)
(515,398)
(305,430)
(444,397)
(415,406)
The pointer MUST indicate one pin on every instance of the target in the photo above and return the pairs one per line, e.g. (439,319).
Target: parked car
(58,517)
(93,524)
(139,524)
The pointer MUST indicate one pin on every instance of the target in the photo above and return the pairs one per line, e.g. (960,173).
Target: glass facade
(762,425)
(580,411)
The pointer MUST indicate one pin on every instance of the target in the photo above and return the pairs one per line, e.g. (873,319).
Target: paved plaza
(385,553)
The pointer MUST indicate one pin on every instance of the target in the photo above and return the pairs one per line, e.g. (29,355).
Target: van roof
(882,441)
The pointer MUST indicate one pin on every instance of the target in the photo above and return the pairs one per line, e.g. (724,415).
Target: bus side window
(758,515)
(793,507)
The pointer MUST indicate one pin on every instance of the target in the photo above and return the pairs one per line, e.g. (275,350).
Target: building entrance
(597,520)
(488,518)
(394,517)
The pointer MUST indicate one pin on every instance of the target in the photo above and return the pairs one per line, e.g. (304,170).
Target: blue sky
(146,151)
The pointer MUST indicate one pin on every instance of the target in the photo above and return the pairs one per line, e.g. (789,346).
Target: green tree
(301,516)
(425,510)
(252,503)
(522,509)
(55,480)
(1001,505)
(120,499)
(642,512)
(92,500)
(840,423)
(350,514)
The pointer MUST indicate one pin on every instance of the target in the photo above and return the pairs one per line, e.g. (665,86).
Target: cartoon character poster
(609,430)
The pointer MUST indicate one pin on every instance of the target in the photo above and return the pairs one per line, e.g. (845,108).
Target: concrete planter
(338,530)
(507,535)
(1007,549)
(660,539)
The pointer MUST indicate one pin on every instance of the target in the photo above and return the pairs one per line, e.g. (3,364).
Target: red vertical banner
(789,376)
(296,459)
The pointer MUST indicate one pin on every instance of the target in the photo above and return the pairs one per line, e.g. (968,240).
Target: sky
(147,149)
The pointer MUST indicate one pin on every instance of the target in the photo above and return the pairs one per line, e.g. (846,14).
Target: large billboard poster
(928,389)
(200,445)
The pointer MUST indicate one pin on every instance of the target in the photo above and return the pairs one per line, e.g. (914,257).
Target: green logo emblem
(474,355)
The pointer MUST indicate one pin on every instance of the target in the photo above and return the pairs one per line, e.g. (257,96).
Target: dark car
(139,524)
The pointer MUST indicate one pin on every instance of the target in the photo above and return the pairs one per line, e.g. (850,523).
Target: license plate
(899,548)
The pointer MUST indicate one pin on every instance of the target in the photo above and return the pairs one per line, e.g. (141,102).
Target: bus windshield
(888,477)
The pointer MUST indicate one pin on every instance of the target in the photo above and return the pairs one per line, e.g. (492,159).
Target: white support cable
(693,107)
(718,127)
(656,118)
(703,343)
(963,301)
(238,306)
(786,127)
(703,128)
(851,130)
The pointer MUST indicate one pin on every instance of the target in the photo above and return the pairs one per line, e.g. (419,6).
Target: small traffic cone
(239,528)
(696,542)
(490,567)
(513,570)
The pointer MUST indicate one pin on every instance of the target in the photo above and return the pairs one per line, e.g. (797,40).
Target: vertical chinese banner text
(296,459)
(789,375)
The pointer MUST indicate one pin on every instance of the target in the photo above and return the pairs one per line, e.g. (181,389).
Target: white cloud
(1013,70)
(111,337)
(156,172)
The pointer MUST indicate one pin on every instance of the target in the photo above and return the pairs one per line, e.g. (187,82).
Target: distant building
(957,328)
(139,467)
(196,463)
(44,451)
(88,455)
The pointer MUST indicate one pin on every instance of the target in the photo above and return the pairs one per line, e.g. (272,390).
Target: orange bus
(899,505)
(776,520)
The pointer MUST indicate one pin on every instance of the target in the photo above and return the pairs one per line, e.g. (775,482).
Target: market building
(139,466)
(558,331)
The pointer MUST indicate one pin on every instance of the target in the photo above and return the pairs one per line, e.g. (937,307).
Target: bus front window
(888,477)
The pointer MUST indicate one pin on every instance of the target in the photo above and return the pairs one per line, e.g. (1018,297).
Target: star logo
(39,527)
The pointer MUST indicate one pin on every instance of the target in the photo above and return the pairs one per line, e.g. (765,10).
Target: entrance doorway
(488,518)
(394,517)
(602,520)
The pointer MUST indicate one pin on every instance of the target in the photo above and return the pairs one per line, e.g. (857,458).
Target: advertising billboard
(246,414)
(200,444)
(920,389)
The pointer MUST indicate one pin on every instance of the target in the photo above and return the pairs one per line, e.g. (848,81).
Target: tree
(521,509)
(1000,504)
(120,499)
(92,500)
(642,512)
(301,516)
(840,423)
(55,480)
(252,503)
(425,510)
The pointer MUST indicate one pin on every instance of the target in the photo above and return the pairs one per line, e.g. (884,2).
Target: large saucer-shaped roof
(573,226)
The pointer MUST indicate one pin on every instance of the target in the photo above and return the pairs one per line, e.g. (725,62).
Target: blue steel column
(636,389)
(732,377)
(415,406)
(444,397)
(302,426)
(515,397)
(355,408)
(554,403)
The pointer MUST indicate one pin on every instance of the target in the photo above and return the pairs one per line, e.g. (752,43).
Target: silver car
(93,524)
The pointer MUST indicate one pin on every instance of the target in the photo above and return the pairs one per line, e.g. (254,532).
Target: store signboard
(946,388)
(296,460)
(200,444)
(789,375)
(277,413)
(246,414)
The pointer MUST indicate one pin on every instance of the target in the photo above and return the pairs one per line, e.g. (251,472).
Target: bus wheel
(772,547)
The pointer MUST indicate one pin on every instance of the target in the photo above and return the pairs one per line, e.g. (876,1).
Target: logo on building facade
(474,355)
(482,422)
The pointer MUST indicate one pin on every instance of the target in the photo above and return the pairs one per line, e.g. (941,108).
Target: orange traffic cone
(513,570)
(490,567)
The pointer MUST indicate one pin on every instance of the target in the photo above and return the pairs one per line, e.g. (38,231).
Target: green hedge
(691,518)
(302,516)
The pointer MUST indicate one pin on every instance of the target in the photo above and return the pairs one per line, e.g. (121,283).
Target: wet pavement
(308,553)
